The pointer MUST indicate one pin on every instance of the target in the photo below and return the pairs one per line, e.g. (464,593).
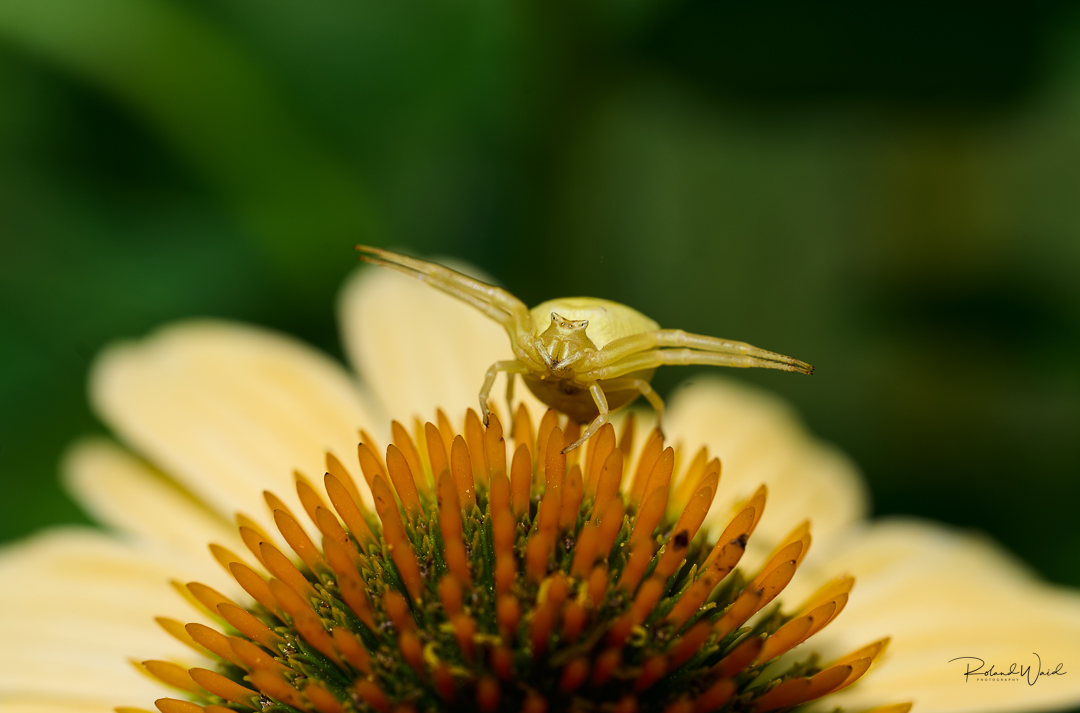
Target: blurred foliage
(889,192)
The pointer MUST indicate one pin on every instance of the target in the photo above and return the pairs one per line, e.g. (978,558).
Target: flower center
(536,582)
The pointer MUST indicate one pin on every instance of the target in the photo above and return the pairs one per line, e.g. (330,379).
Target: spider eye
(571,324)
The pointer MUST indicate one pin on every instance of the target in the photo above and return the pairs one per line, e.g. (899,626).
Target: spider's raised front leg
(602,406)
(496,303)
(745,355)
(511,367)
(659,357)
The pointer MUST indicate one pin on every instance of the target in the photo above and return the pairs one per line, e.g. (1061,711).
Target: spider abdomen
(575,401)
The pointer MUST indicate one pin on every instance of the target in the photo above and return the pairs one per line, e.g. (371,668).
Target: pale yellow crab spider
(592,357)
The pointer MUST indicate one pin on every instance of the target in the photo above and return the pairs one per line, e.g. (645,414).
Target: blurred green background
(889,191)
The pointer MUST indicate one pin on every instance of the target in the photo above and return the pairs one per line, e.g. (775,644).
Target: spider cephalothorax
(563,344)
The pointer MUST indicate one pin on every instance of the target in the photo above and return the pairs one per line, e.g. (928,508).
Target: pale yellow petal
(129,495)
(943,594)
(759,440)
(417,348)
(75,606)
(229,410)
(52,704)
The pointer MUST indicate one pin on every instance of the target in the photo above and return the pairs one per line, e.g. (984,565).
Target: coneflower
(209,414)
(510,579)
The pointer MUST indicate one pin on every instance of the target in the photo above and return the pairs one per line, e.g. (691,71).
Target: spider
(594,356)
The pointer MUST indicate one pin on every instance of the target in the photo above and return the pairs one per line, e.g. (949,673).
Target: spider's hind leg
(510,380)
(645,389)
